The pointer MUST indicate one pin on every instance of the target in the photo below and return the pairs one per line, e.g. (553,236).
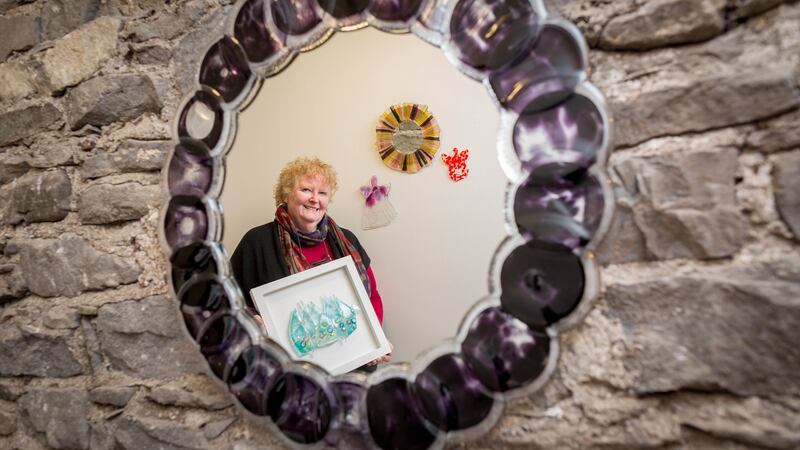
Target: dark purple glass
(251,31)
(300,408)
(252,377)
(541,285)
(394,10)
(566,211)
(342,9)
(191,169)
(350,430)
(222,340)
(450,395)
(202,299)
(294,17)
(544,75)
(560,140)
(503,352)
(209,103)
(395,419)
(225,70)
(186,221)
(487,34)
(193,259)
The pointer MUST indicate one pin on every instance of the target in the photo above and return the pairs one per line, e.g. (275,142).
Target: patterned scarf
(292,239)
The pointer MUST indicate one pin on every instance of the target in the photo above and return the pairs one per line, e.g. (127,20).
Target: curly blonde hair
(299,167)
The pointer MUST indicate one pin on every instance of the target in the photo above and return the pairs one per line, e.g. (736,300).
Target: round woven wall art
(407,137)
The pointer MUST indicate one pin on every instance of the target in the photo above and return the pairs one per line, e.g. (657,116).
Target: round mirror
(550,204)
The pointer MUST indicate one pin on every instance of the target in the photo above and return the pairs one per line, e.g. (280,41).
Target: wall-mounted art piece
(323,315)
(456,164)
(407,137)
(378,209)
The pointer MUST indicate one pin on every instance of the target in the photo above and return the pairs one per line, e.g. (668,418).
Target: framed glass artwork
(323,315)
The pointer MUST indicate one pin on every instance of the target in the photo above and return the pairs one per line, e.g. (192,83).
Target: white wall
(432,262)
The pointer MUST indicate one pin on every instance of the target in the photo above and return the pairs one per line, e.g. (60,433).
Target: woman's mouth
(311,208)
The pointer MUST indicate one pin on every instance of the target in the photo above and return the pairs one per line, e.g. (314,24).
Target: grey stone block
(12,286)
(17,80)
(112,98)
(62,414)
(212,430)
(54,267)
(786,182)
(132,156)
(112,203)
(683,206)
(112,395)
(143,338)
(191,393)
(41,197)
(134,433)
(27,121)
(60,17)
(78,55)
(19,32)
(62,317)
(663,22)
(728,328)
(36,354)
(704,104)
(776,135)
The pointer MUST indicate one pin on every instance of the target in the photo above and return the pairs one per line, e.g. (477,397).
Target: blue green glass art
(310,328)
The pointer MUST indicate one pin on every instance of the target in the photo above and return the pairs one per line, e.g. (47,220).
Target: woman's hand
(384,358)
(261,322)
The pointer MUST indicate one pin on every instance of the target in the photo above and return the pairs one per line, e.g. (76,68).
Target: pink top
(322,250)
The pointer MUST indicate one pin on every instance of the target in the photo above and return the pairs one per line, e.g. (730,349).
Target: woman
(302,235)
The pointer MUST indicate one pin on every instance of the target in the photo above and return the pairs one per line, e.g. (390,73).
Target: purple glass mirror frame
(552,146)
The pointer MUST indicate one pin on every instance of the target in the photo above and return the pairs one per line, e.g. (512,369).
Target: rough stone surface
(663,22)
(732,329)
(143,338)
(8,424)
(704,104)
(213,429)
(79,54)
(17,80)
(92,345)
(27,352)
(779,134)
(67,267)
(132,156)
(40,197)
(12,286)
(134,433)
(194,393)
(112,395)
(17,161)
(673,200)
(61,414)
(60,17)
(19,32)
(110,203)
(741,9)
(111,98)
(62,317)
(27,121)
(787,189)
(754,422)
(153,54)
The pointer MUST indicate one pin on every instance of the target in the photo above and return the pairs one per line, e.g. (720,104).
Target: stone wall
(694,344)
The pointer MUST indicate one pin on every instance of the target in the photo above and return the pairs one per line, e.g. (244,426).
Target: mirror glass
(432,261)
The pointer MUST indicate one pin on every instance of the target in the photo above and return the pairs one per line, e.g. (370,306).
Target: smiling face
(307,202)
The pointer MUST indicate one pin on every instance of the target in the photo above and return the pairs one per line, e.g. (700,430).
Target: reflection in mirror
(432,261)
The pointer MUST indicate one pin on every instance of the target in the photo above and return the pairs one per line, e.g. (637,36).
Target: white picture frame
(275,302)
